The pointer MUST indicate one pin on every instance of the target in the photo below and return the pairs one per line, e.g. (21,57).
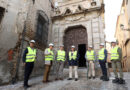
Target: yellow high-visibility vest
(74,56)
(31,55)
(90,55)
(61,55)
(101,54)
(49,57)
(114,53)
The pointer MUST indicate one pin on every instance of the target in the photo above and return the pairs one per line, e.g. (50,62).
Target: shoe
(56,79)
(89,77)
(102,77)
(116,80)
(61,78)
(76,79)
(93,77)
(105,79)
(49,81)
(121,81)
(29,86)
(44,81)
(26,87)
(69,78)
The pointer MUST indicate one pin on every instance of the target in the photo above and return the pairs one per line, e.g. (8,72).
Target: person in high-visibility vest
(90,58)
(49,57)
(60,60)
(116,57)
(73,63)
(102,57)
(29,57)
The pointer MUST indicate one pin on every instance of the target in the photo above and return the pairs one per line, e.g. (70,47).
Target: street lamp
(123,28)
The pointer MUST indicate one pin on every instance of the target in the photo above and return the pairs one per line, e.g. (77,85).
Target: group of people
(61,58)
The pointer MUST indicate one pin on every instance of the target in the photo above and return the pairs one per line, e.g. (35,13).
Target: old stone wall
(11,29)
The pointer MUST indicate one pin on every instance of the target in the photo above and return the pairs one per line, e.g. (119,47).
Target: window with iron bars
(42,31)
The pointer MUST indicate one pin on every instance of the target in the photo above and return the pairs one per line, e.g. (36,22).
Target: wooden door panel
(75,36)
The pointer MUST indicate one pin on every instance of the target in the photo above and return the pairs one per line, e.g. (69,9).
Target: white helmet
(72,46)
(102,44)
(90,46)
(32,41)
(61,45)
(51,44)
(114,41)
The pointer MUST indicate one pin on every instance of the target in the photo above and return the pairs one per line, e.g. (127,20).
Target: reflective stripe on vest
(90,55)
(31,55)
(101,54)
(61,55)
(49,57)
(114,53)
(74,56)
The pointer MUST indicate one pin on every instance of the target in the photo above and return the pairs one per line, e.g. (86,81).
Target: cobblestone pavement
(82,84)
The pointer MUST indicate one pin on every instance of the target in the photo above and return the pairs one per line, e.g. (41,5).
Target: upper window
(42,30)
(127,2)
(2,10)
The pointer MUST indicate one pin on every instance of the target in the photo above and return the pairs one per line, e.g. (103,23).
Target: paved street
(81,84)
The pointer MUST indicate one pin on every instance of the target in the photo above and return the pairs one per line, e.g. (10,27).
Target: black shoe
(69,78)
(121,81)
(26,87)
(116,80)
(93,77)
(76,79)
(56,79)
(89,77)
(29,86)
(105,79)
(102,77)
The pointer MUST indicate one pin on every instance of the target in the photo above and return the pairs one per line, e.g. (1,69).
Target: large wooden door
(75,36)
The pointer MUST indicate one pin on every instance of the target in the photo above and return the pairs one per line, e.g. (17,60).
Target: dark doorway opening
(81,54)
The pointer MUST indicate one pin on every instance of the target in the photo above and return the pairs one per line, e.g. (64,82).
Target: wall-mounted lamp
(123,28)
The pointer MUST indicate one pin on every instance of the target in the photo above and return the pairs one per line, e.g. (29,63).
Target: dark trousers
(103,67)
(28,70)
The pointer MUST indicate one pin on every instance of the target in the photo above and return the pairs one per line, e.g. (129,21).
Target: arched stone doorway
(77,36)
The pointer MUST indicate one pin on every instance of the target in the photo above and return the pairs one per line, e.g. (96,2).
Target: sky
(112,10)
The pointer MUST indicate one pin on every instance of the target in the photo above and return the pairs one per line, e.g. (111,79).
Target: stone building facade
(79,23)
(68,22)
(21,21)
(123,35)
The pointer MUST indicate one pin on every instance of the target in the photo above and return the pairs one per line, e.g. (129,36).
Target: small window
(2,10)
(127,2)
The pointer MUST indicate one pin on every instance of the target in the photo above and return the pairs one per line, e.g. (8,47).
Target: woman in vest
(102,57)
(60,60)
(49,57)
(29,57)
(73,63)
(116,57)
(90,57)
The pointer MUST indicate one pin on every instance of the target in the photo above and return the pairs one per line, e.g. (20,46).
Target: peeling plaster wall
(10,34)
